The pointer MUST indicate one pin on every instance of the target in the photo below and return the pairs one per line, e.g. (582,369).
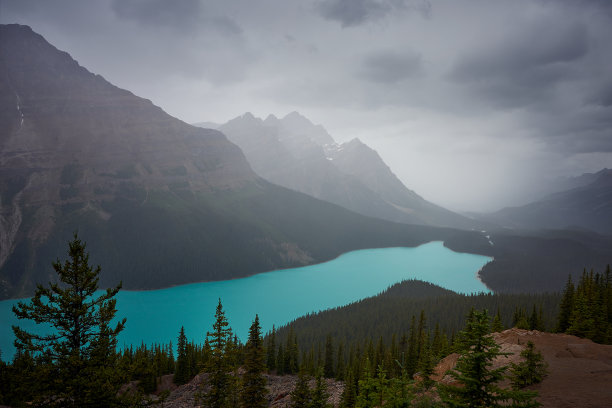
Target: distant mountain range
(295,153)
(586,204)
(159,202)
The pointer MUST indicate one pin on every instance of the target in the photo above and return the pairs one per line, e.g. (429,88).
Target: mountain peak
(295,115)
(295,124)
(248,116)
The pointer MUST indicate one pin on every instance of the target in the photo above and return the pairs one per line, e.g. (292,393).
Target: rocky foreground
(580,373)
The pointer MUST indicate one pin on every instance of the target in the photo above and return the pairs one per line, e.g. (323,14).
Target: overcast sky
(472,103)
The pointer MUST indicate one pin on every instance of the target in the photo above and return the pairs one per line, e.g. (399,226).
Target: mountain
(295,153)
(588,204)
(158,201)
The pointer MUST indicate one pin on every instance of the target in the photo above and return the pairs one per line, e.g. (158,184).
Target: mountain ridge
(587,204)
(297,154)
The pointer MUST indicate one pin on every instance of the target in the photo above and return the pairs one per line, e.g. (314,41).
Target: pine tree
(427,365)
(380,385)
(520,320)
(280,361)
(366,397)
(535,320)
(497,325)
(271,350)
(218,366)
(291,360)
(253,382)
(422,335)
(76,368)
(477,379)
(340,365)
(181,376)
(413,355)
(400,392)
(301,395)
(328,367)
(349,394)
(531,370)
(319,394)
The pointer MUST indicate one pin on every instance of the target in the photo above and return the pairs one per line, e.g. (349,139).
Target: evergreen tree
(181,376)
(535,320)
(291,360)
(366,396)
(380,385)
(301,395)
(422,336)
(427,365)
(218,366)
(400,392)
(328,367)
(271,350)
(520,320)
(497,325)
(280,361)
(581,321)
(78,357)
(531,370)
(413,354)
(438,344)
(349,394)
(319,394)
(340,366)
(477,379)
(253,382)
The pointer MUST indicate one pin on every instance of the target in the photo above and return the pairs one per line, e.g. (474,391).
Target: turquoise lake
(279,296)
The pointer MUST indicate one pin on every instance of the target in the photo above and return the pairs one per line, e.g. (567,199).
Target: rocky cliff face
(71,141)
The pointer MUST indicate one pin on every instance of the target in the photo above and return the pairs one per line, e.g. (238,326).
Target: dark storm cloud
(178,14)
(390,67)
(356,12)
(525,69)
(601,97)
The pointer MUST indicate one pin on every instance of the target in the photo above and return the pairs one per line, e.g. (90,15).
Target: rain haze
(475,105)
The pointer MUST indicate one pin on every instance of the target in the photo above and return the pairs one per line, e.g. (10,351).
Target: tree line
(586,308)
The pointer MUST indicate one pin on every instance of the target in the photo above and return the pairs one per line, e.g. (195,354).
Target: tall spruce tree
(301,396)
(413,353)
(367,391)
(77,357)
(319,394)
(253,393)
(497,325)
(340,365)
(218,365)
(328,367)
(181,375)
(271,350)
(478,381)
(349,394)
